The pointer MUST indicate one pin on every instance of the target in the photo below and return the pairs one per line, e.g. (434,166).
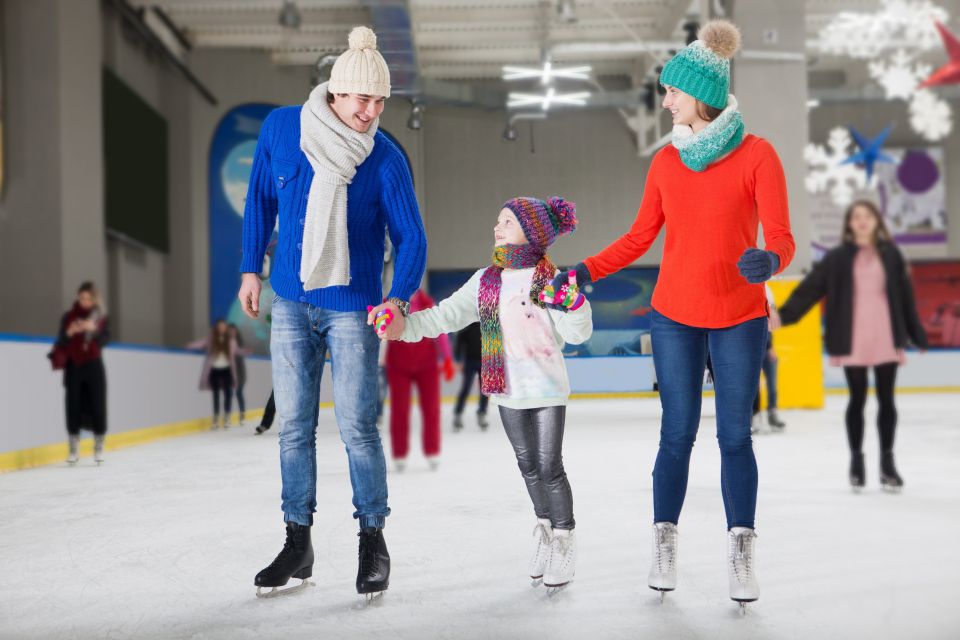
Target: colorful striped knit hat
(542,221)
(702,68)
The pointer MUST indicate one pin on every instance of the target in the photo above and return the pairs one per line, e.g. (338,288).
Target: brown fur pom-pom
(720,36)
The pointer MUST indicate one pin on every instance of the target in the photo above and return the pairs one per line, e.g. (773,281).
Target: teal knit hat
(702,69)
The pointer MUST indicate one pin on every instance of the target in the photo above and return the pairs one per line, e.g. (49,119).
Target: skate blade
(276,592)
(536,581)
(890,488)
(370,599)
(663,592)
(743,604)
(553,590)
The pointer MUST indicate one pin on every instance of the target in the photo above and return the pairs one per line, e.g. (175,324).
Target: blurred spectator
(467,353)
(417,363)
(219,372)
(870,317)
(83,333)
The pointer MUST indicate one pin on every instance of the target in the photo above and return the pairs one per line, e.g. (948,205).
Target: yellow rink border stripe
(57,453)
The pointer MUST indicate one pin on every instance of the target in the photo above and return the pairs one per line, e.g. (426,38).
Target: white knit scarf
(334,151)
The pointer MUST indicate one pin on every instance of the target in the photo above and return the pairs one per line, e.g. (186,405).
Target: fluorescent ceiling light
(545,101)
(547,73)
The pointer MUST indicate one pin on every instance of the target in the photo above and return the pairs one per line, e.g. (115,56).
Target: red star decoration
(950,72)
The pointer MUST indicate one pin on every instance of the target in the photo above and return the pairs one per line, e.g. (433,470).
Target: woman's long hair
(219,343)
(880,233)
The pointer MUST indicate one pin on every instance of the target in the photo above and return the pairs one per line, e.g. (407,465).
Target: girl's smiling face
(508,229)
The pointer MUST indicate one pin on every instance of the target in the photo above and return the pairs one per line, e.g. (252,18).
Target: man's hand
(250,294)
(395,328)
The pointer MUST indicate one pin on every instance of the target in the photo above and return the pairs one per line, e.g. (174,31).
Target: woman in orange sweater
(709,188)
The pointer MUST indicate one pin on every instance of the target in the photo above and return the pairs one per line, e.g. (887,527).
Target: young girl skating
(523,331)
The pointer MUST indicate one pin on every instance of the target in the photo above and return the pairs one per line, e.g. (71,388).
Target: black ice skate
(858,472)
(295,560)
(890,480)
(373,574)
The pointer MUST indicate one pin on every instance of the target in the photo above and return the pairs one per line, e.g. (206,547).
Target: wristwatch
(403,305)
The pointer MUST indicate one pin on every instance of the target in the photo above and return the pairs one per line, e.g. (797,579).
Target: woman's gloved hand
(757,265)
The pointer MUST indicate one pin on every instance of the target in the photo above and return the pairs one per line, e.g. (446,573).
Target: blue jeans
(680,355)
(300,337)
(769,366)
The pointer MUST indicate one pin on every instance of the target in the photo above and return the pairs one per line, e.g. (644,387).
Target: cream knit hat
(361,68)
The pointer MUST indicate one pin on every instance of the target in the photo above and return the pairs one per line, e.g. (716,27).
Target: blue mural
(620,303)
(231,160)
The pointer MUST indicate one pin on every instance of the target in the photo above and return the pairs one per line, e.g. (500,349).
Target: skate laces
(666,547)
(367,552)
(541,530)
(741,554)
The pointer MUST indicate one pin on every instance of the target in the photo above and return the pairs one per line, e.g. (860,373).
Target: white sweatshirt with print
(533,337)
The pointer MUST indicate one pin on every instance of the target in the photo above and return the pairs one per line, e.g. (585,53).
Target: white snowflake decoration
(900,76)
(897,24)
(906,27)
(930,115)
(826,171)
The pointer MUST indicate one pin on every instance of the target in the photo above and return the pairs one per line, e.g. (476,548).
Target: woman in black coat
(871,316)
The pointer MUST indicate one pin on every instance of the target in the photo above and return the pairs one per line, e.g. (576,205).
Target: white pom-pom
(720,36)
(362,38)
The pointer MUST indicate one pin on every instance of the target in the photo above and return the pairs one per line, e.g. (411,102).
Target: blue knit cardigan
(380,200)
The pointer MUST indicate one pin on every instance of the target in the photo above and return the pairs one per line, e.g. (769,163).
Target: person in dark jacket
(83,333)
(871,316)
(467,353)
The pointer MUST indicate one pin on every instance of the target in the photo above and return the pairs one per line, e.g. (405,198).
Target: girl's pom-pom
(566,213)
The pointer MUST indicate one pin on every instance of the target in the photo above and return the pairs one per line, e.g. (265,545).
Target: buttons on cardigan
(302,220)
(299,246)
(281,182)
(303,298)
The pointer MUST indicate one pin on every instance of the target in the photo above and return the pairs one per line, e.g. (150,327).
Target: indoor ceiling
(468,41)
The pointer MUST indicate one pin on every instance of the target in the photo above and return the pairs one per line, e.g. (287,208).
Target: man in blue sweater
(338,187)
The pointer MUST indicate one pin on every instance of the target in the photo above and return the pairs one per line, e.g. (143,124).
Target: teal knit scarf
(720,137)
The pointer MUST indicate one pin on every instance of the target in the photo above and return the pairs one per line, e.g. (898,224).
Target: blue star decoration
(871,151)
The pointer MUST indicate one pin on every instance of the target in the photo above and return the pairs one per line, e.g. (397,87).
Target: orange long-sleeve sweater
(711,218)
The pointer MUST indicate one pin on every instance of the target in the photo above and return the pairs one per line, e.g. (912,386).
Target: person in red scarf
(83,334)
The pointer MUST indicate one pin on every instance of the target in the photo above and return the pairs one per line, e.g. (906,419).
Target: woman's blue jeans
(680,356)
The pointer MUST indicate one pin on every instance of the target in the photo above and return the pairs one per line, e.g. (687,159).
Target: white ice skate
(98,450)
(400,464)
(742,566)
(542,537)
(663,561)
(215,423)
(433,462)
(74,454)
(563,560)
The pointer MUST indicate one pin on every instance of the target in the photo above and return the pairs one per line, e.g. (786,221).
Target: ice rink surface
(163,541)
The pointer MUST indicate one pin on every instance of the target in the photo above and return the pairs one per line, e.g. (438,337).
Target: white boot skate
(98,450)
(74,454)
(563,560)
(663,561)
(742,565)
(542,537)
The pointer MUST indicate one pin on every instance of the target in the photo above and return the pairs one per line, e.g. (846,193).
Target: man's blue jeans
(680,356)
(301,336)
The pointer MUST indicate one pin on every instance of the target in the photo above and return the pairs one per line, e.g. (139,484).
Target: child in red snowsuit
(417,363)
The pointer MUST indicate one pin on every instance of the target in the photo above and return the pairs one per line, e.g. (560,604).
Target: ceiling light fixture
(415,121)
(547,74)
(289,15)
(547,100)
(567,11)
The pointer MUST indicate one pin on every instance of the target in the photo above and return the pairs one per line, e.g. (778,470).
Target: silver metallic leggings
(537,439)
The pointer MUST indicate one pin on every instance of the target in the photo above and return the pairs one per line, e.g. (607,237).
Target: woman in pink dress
(870,317)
